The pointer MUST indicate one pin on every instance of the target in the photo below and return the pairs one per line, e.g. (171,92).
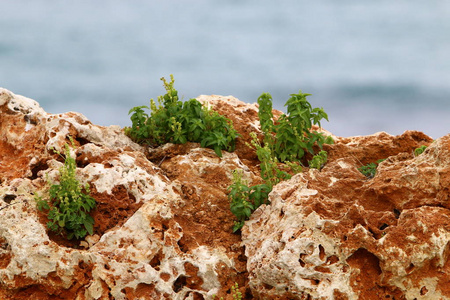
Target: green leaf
(238,226)
(218,151)
(42,205)
(89,225)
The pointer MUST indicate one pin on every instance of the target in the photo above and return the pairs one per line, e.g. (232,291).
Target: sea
(372,65)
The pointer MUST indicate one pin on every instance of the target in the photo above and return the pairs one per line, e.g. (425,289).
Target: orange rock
(336,234)
(163,224)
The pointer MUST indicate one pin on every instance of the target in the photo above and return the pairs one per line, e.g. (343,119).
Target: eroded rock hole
(82,160)
(3,244)
(193,281)
(165,276)
(332,260)
(365,260)
(179,283)
(156,260)
(196,296)
(165,226)
(423,290)
(384,226)
(321,252)
(9,197)
(242,258)
(30,119)
(182,245)
(410,268)
(40,166)
(82,141)
(301,261)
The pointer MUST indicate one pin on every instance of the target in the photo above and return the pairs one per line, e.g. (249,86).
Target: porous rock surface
(163,226)
(335,234)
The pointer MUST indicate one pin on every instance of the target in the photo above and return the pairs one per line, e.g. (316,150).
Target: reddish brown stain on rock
(372,229)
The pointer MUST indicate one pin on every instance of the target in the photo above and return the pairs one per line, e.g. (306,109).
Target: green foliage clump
(318,160)
(291,136)
(419,150)
(172,121)
(237,295)
(70,202)
(285,144)
(370,169)
(271,171)
(244,200)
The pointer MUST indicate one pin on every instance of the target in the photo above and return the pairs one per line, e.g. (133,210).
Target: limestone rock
(162,230)
(335,234)
(163,225)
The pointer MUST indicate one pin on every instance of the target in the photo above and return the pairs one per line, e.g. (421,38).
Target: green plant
(271,173)
(70,202)
(235,291)
(237,295)
(172,121)
(419,150)
(244,199)
(285,143)
(291,136)
(318,160)
(370,169)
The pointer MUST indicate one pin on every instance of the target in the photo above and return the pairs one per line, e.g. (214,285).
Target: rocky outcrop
(163,226)
(336,234)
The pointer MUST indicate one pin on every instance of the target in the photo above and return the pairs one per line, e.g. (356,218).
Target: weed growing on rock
(370,169)
(419,150)
(237,295)
(70,202)
(285,144)
(244,200)
(271,171)
(172,121)
(291,136)
(318,160)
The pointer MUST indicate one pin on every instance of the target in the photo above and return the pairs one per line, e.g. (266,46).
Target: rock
(162,230)
(163,225)
(335,234)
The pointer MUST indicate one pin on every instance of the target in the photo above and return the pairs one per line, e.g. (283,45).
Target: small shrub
(244,200)
(291,136)
(285,143)
(271,173)
(237,295)
(172,121)
(370,169)
(419,150)
(70,202)
(318,160)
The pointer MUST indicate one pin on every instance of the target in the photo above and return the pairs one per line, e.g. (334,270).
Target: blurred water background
(372,65)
